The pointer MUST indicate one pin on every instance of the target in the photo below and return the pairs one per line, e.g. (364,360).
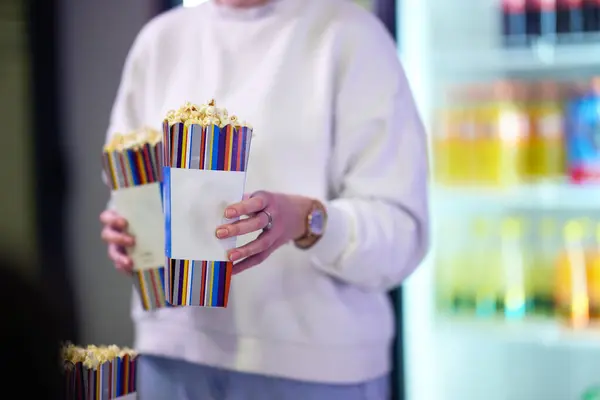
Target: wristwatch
(316,222)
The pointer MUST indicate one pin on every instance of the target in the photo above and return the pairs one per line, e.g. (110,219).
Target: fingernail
(235,255)
(230,213)
(222,232)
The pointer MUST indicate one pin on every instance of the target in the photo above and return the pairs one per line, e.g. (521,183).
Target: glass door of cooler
(507,304)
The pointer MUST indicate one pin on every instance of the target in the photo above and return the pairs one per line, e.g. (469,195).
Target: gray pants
(165,379)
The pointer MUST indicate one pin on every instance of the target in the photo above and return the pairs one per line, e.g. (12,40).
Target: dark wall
(49,172)
(93,40)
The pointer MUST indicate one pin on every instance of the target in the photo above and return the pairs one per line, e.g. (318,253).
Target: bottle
(441,143)
(448,262)
(571,276)
(512,258)
(590,16)
(485,270)
(472,258)
(569,18)
(541,20)
(596,13)
(593,276)
(546,146)
(453,128)
(582,138)
(514,22)
(504,141)
(542,272)
(474,131)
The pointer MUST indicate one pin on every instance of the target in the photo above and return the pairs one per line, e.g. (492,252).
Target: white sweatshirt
(334,120)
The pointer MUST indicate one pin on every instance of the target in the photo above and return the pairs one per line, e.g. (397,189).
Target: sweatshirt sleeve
(377,230)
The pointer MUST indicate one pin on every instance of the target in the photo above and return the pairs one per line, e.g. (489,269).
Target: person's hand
(113,233)
(281,218)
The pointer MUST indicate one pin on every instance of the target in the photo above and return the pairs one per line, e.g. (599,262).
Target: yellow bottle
(542,272)
(571,276)
(446,141)
(593,276)
(547,147)
(466,263)
(475,150)
(464,160)
(513,261)
(447,266)
(503,141)
(484,273)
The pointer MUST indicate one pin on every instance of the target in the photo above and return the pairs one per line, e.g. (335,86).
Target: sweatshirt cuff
(330,249)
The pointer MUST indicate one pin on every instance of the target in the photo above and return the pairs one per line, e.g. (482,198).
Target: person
(337,212)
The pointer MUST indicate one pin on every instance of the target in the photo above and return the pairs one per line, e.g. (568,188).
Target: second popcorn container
(133,167)
(205,159)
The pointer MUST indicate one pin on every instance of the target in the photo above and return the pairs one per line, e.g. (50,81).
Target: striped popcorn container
(100,373)
(205,160)
(133,166)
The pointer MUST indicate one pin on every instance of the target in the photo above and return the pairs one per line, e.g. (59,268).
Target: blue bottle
(583,135)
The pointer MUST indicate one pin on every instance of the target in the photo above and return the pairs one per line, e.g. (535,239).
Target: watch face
(316,221)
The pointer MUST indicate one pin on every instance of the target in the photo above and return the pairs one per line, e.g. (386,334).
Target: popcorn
(133,140)
(93,356)
(205,115)
(98,372)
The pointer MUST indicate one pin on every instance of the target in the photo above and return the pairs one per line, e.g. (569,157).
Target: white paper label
(130,396)
(142,208)
(198,199)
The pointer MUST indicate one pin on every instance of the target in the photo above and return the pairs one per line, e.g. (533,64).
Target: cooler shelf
(584,53)
(543,333)
(539,196)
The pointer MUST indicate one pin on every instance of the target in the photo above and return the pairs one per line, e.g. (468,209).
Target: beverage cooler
(507,304)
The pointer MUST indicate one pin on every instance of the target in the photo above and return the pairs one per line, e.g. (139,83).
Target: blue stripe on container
(132,167)
(234,149)
(167,208)
(243,132)
(215,149)
(162,202)
(215,288)
(119,366)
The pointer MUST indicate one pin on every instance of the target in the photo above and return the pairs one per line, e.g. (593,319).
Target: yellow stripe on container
(183,149)
(113,172)
(184,287)
(144,290)
(98,381)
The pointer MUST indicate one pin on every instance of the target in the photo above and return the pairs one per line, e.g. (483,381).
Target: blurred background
(507,304)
